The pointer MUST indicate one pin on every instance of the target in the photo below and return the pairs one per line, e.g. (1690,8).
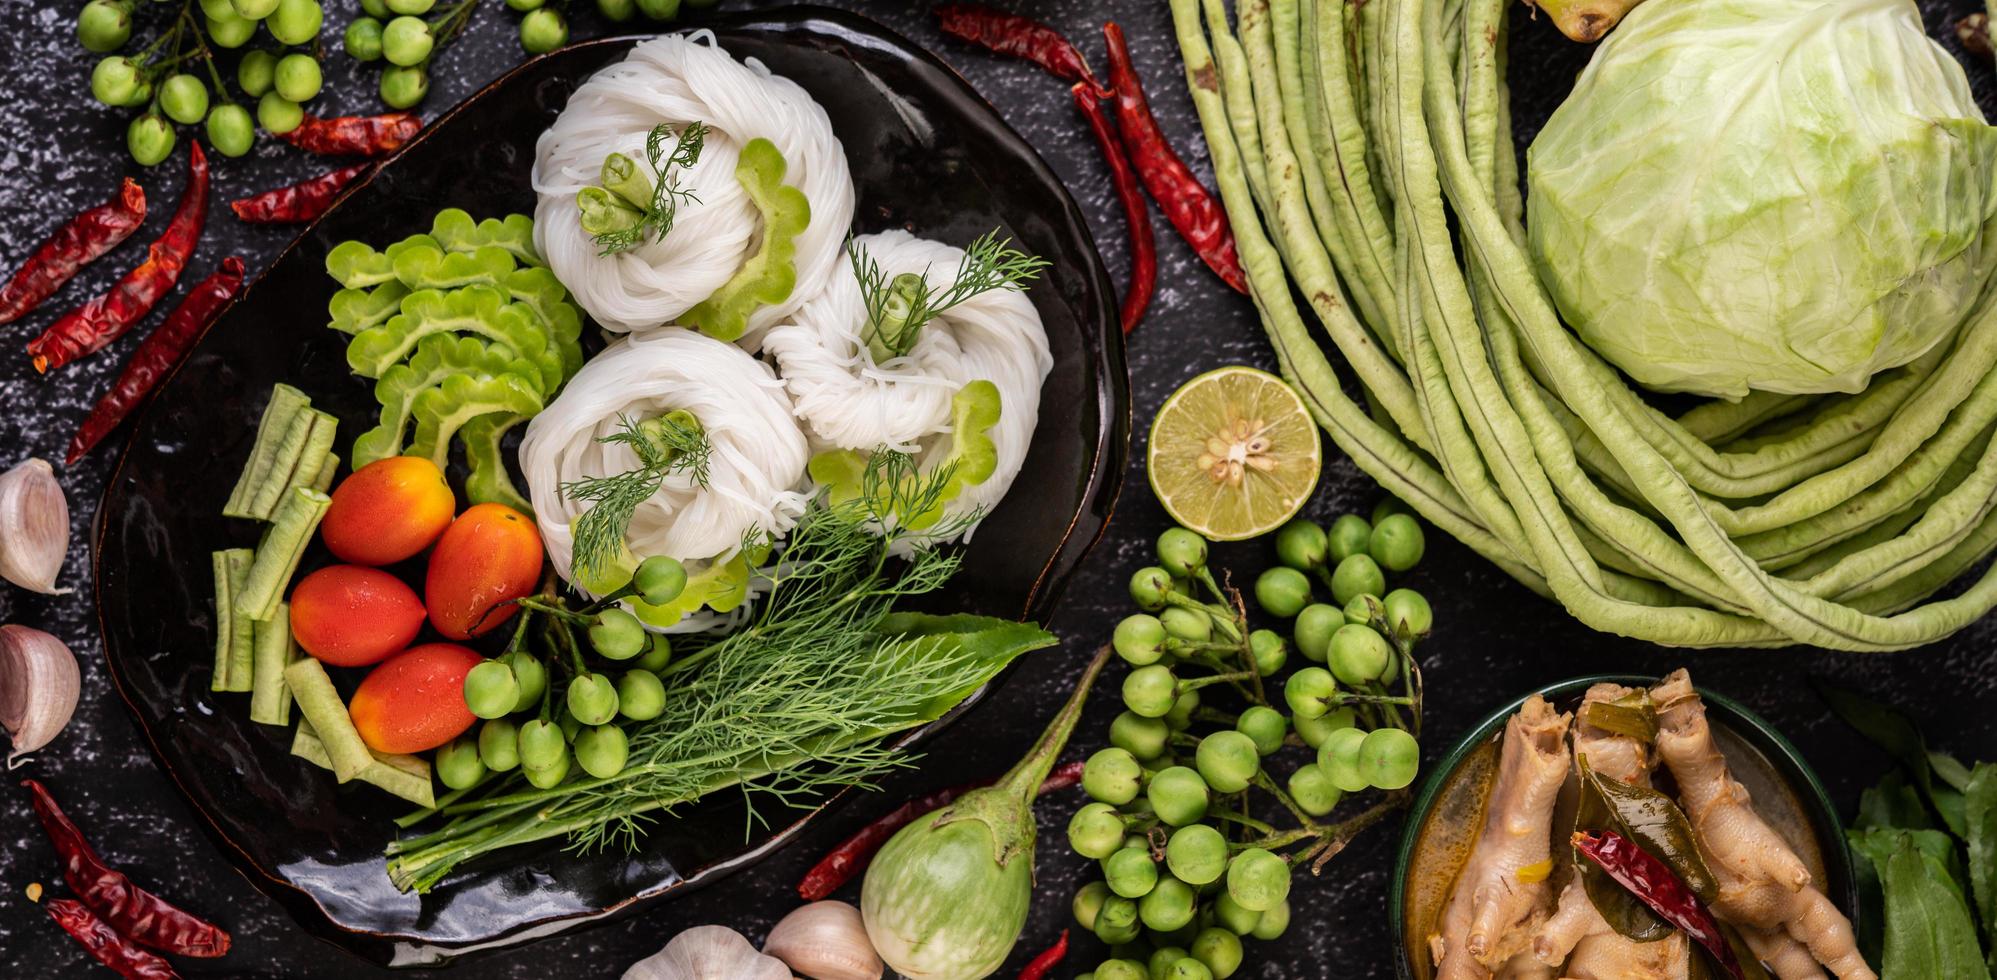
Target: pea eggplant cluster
(525,727)
(1201,809)
(176,79)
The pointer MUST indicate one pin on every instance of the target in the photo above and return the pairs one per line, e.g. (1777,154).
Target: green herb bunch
(792,704)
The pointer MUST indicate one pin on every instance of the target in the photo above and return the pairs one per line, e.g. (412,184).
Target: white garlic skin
(38,688)
(708,953)
(825,941)
(34,527)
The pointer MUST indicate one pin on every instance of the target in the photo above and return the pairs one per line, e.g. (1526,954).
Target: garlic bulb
(708,953)
(38,687)
(34,527)
(825,941)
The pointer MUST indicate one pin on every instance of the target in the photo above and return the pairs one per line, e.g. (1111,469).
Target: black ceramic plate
(927,153)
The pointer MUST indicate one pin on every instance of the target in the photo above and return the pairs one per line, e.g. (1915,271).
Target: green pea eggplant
(946,897)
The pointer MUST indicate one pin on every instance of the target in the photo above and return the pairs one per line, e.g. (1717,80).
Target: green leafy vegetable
(899,307)
(1929,930)
(1980,816)
(671,443)
(770,274)
(657,198)
(1896,733)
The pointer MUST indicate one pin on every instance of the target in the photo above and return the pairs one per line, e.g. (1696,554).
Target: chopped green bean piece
(346,754)
(270,699)
(405,776)
(296,517)
(285,404)
(232,569)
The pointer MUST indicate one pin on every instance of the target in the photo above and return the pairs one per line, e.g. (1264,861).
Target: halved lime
(1233,453)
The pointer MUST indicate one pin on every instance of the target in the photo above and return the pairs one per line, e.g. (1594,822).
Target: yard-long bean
(1364,152)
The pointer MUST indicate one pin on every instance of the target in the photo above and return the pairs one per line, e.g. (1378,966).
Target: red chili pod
(157,355)
(1654,884)
(1043,964)
(76,244)
(354,136)
(300,202)
(1187,203)
(1020,37)
(90,327)
(131,911)
(1143,241)
(105,945)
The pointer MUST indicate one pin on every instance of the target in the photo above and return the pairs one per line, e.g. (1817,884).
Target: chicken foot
(1493,912)
(1763,885)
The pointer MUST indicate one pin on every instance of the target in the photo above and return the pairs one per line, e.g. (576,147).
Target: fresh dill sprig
(671,443)
(667,195)
(899,306)
(791,705)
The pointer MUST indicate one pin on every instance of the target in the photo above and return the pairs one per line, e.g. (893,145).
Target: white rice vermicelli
(849,402)
(679,80)
(754,473)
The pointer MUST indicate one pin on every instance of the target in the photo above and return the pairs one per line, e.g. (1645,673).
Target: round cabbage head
(1785,195)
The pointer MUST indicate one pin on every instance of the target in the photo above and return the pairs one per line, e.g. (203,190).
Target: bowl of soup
(1447,820)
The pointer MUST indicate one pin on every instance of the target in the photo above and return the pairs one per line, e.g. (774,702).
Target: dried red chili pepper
(106,945)
(298,202)
(135,913)
(1038,967)
(1654,884)
(1021,37)
(851,856)
(73,246)
(88,328)
(1143,242)
(157,354)
(354,136)
(1187,203)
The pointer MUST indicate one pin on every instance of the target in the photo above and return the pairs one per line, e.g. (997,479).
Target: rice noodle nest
(754,473)
(678,80)
(847,401)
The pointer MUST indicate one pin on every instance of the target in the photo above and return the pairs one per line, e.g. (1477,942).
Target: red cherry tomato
(415,700)
(388,510)
(490,555)
(351,616)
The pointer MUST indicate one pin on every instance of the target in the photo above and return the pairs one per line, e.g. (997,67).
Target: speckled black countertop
(1494,639)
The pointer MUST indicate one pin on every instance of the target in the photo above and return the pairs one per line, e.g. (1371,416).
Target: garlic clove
(38,688)
(708,953)
(825,941)
(34,527)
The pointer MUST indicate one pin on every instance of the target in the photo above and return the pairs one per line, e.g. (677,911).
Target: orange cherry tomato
(352,616)
(388,510)
(488,557)
(415,700)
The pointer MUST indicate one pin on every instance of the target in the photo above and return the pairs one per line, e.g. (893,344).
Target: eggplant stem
(1025,778)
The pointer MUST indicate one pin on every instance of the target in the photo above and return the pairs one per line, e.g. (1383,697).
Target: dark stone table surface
(1494,639)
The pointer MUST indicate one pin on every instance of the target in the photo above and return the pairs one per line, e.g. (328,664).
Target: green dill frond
(667,195)
(671,443)
(898,307)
